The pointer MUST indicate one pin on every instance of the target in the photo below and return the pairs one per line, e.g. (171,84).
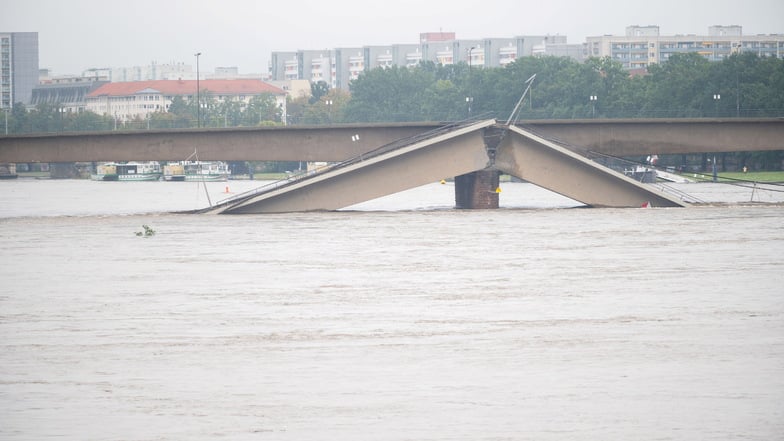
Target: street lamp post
(6,120)
(198,97)
(716,98)
(593,99)
(470,99)
(329,109)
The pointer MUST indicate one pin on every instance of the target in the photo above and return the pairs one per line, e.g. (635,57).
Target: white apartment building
(152,71)
(337,67)
(137,99)
(643,45)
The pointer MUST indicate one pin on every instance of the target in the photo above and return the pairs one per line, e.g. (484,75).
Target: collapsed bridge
(474,153)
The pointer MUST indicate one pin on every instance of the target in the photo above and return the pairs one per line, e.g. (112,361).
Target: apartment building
(152,71)
(137,99)
(18,67)
(642,46)
(337,67)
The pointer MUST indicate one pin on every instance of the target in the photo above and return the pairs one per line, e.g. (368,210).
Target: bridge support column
(477,190)
(63,170)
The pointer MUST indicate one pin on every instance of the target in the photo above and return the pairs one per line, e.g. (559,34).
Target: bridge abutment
(477,190)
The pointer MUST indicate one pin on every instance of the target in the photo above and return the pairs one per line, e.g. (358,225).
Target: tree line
(687,85)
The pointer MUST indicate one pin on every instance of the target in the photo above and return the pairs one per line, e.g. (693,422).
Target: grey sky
(79,34)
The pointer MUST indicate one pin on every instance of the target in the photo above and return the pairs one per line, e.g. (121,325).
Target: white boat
(196,171)
(127,171)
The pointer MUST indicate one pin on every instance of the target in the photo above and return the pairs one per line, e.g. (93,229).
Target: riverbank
(256,176)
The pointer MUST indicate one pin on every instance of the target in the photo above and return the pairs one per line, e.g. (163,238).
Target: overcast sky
(79,34)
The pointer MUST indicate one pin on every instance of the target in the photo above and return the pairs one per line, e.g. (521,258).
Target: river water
(400,319)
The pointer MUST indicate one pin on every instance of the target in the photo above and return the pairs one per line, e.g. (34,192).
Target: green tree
(444,101)
(181,114)
(317,90)
(389,94)
(330,109)
(90,121)
(679,87)
(261,109)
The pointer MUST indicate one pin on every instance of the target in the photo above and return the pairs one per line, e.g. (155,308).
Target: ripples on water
(407,320)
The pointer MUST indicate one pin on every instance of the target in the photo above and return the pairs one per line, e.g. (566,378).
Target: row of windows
(131,107)
(411,60)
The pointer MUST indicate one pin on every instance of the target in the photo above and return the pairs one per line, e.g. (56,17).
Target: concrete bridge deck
(461,150)
(334,143)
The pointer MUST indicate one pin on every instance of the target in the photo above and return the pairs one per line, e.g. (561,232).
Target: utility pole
(198,98)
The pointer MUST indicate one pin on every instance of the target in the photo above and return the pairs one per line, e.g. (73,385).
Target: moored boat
(196,171)
(127,171)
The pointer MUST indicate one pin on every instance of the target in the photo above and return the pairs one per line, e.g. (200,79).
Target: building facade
(69,94)
(338,67)
(152,71)
(643,45)
(130,100)
(18,67)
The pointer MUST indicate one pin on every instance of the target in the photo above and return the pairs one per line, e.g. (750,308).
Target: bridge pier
(70,170)
(477,190)
(63,170)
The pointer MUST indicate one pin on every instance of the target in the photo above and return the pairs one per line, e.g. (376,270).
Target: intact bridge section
(475,153)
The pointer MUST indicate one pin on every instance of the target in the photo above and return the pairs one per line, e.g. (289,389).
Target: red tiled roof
(188,87)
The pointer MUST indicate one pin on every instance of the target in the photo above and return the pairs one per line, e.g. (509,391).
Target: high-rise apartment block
(643,45)
(337,67)
(153,71)
(18,67)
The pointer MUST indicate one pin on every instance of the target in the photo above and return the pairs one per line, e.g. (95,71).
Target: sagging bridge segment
(475,153)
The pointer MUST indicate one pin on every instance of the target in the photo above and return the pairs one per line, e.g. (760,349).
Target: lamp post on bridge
(593,99)
(716,98)
(198,91)
(329,103)
(470,98)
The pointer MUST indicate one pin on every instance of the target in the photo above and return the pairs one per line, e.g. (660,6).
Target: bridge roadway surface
(334,143)
(475,153)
